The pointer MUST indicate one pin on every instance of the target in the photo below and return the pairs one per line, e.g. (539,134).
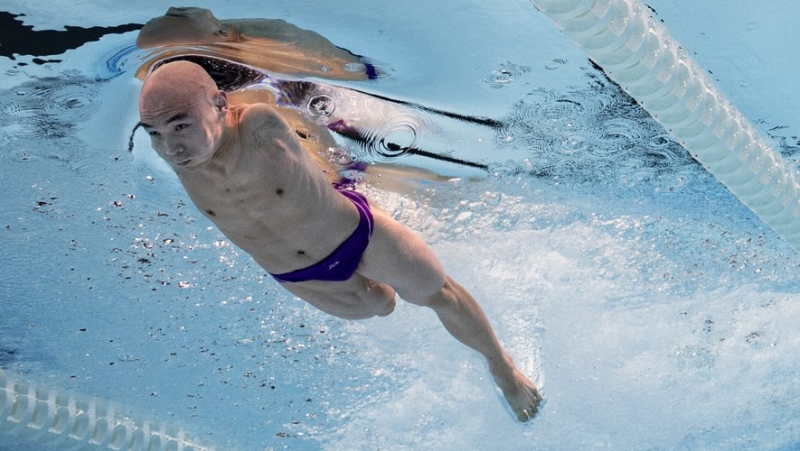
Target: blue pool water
(656,311)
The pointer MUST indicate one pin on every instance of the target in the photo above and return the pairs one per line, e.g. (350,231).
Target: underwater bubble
(505,74)
(320,105)
(501,77)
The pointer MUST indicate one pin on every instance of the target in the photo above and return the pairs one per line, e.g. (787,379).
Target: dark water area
(16,38)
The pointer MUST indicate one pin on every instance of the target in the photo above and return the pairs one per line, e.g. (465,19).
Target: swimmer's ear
(221,102)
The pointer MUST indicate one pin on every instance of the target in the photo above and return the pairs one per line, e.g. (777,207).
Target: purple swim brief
(342,263)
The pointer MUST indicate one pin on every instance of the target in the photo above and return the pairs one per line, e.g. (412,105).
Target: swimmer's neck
(230,132)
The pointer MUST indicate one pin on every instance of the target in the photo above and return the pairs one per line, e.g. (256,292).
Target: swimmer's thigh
(397,257)
(356,298)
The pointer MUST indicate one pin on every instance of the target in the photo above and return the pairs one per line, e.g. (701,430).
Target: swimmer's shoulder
(264,125)
(260,119)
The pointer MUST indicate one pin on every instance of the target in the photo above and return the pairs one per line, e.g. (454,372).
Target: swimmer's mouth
(183,163)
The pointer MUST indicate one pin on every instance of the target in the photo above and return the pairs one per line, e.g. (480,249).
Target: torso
(269,196)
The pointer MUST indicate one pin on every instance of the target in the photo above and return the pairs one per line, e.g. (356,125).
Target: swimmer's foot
(522,396)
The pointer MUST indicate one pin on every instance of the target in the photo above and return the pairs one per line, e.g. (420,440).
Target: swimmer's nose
(174,149)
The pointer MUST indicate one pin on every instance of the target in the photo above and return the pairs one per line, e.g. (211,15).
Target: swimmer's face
(186,133)
(188,25)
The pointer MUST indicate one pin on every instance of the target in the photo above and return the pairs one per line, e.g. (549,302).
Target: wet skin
(245,169)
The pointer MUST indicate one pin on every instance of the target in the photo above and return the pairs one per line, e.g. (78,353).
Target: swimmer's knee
(370,307)
(384,301)
(386,308)
(373,299)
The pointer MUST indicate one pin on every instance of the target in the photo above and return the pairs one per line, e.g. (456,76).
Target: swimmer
(270,44)
(244,169)
(241,53)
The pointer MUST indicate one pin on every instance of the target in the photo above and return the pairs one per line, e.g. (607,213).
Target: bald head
(184,113)
(179,82)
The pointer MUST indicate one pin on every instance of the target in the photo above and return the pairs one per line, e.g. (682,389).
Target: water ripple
(385,131)
(48,108)
(394,138)
(72,102)
(594,135)
(555,64)
(506,74)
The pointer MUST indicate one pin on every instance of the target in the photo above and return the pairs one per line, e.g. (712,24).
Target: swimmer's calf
(245,170)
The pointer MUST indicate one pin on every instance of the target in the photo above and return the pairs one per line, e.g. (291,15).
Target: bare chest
(243,204)
(283,218)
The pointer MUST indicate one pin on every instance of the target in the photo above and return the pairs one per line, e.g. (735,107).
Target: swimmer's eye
(180,127)
(153,133)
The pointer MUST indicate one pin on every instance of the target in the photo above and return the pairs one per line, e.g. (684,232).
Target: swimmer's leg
(464,319)
(396,256)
